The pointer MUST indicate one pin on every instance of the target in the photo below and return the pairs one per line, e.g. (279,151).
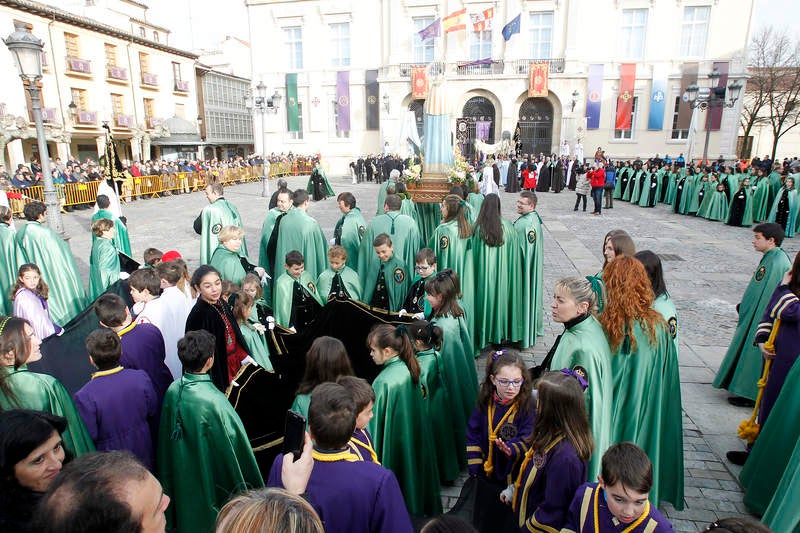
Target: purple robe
(143,349)
(120,410)
(542,503)
(352,496)
(478,442)
(584,522)
(362,446)
(785,306)
(33,308)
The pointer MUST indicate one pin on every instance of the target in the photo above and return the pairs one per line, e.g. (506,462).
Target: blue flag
(512,27)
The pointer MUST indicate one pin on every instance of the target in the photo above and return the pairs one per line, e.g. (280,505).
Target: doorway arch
(536,126)
(477,108)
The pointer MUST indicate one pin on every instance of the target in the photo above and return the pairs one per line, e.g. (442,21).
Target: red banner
(419,83)
(627,79)
(539,74)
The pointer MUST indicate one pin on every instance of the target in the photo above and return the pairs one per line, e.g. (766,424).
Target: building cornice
(55,14)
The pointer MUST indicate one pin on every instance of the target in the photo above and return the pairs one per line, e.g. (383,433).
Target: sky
(203,23)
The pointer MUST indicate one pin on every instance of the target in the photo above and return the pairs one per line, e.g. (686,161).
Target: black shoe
(737,457)
(738,401)
(575,209)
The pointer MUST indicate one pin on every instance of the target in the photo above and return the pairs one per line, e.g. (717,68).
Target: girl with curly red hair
(646,407)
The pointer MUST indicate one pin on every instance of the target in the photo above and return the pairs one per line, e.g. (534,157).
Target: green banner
(292,109)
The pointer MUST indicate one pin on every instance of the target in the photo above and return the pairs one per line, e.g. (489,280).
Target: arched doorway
(416,106)
(477,109)
(536,126)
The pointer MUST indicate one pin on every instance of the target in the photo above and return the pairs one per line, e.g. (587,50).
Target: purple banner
(433,29)
(482,128)
(594,96)
(714,119)
(343,101)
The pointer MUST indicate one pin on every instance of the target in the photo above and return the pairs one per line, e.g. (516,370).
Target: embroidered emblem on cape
(361,231)
(760,273)
(539,460)
(582,372)
(673,327)
(507,432)
(216,228)
(531,236)
(311,286)
(424,392)
(399,275)
(444,242)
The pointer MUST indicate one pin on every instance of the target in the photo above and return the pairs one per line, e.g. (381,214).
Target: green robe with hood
(347,277)
(103,267)
(121,240)
(284,296)
(257,342)
(204,455)
(229,264)
(53,256)
(396,277)
(497,301)
(300,231)
(41,392)
(455,253)
(403,438)
(529,232)
(761,200)
(11,258)
(583,344)
(433,381)
(741,367)
(327,186)
(382,195)
(349,231)
(647,408)
(213,218)
(405,239)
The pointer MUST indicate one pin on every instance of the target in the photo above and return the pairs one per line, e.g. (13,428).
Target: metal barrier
(154,186)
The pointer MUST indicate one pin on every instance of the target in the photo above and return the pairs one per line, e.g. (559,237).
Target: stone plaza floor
(707,267)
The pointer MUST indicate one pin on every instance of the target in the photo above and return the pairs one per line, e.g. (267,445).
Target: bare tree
(773,90)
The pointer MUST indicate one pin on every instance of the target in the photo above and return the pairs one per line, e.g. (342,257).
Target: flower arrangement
(412,175)
(461,169)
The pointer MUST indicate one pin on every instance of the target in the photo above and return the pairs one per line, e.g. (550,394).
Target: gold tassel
(749,429)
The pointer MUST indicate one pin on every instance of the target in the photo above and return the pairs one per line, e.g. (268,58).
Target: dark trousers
(608,194)
(578,200)
(597,196)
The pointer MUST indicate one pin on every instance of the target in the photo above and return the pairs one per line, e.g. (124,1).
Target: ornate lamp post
(27,51)
(261,103)
(704,98)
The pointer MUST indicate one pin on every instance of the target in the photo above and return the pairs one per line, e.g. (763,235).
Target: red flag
(483,21)
(419,83)
(539,73)
(627,79)
(454,21)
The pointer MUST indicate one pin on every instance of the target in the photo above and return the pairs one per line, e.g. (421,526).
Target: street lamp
(704,98)
(27,51)
(261,104)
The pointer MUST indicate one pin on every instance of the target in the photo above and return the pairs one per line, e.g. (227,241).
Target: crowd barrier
(155,186)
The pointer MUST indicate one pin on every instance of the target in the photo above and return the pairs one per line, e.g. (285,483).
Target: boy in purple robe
(361,443)
(142,344)
(619,502)
(119,405)
(350,496)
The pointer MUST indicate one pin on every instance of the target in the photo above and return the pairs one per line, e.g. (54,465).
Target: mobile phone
(294,434)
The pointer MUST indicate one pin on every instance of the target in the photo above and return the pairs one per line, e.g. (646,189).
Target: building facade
(103,63)
(226,122)
(616,72)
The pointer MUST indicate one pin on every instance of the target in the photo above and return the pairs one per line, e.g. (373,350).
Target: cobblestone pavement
(707,266)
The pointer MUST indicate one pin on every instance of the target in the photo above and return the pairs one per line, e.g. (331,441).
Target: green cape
(266,232)
(284,291)
(214,217)
(103,267)
(405,239)
(11,259)
(761,200)
(747,216)
(585,345)
(204,456)
(349,278)
(456,253)
(437,410)
(328,189)
(121,240)
(349,231)
(497,302)
(403,439)
(783,513)
(54,258)
(257,342)
(530,235)
(229,264)
(395,273)
(382,195)
(475,200)
(718,206)
(647,408)
(41,392)
(299,231)
(741,367)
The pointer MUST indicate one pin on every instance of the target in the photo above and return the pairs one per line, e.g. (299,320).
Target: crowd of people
(589,440)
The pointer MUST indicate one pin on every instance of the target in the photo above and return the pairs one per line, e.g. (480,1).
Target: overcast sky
(198,23)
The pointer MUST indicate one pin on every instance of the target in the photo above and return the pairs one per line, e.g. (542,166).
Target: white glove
(507,496)
(124,275)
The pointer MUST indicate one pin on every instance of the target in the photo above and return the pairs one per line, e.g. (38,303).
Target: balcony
(153,122)
(149,80)
(521,66)
(123,121)
(79,66)
(86,118)
(478,68)
(49,114)
(117,73)
(181,86)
